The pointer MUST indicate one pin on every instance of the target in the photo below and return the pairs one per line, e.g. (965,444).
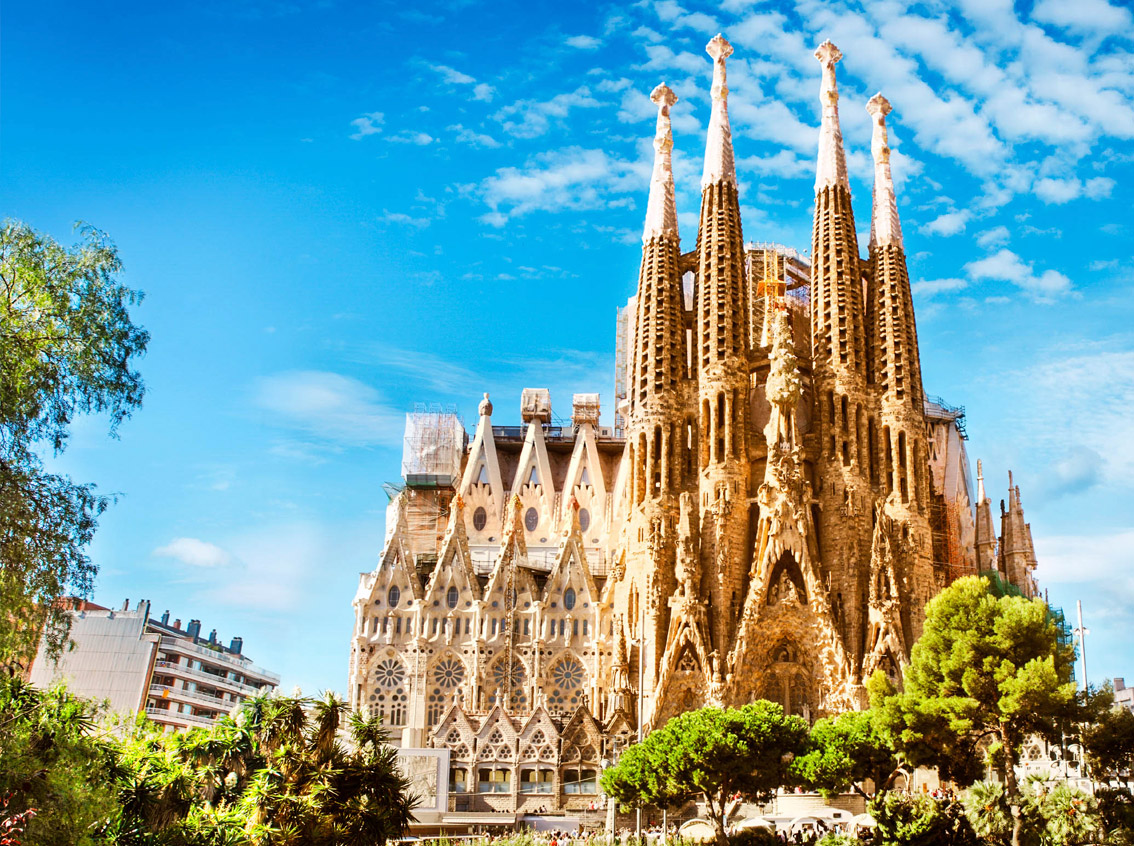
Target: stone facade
(781,504)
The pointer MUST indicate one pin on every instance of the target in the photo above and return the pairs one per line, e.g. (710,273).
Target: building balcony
(192,696)
(164,715)
(184,671)
(224,659)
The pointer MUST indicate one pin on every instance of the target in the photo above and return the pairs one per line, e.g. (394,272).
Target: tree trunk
(1011,786)
(717,813)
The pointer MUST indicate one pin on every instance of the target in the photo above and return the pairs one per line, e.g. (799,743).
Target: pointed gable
(482,485)
(534,484)
(585,482)
(454,564)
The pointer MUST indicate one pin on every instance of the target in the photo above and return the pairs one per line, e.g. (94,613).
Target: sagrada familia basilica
(776,504)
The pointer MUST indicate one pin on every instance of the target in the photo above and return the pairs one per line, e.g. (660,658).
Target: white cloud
(532,118)
(403,219)
(583,42)
(571,178)
(473,138)
(484,92)
(1006,266)
(330,407)
(194,552)
(1083,15)
(949,223)
(931,287)
(997,236)
(369,124)
(454,76)
(409,136)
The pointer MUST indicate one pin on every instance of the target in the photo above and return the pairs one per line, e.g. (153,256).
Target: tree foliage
(920,820)
(1108,741)
(67,347)
(717,755)
(988,672)
(844,751)
(284,771)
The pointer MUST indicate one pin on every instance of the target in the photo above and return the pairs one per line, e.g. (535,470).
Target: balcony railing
(246,667)
(168,715)
(208,699)
(220,681)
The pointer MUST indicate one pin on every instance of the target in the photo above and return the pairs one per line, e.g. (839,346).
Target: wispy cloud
(195,553)
(571,178)
(368,124)
(402,219)
(330,407)
(583,42)
(532,118)
(1007,266)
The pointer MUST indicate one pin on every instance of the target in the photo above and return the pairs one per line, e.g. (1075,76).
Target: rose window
(448,673)
(390,673)
(567,679)
(513,680)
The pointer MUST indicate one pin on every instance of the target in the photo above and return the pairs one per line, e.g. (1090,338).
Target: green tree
(52,762)
(987,671)
(718,755)
(67,346)
(1108,742)
(844,751)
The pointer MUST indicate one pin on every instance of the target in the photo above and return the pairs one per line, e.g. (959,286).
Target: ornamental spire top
(885,227)
(719,164)
(831,168)
(661,209)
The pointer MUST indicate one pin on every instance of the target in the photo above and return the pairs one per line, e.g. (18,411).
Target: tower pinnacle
(661,210)
(719,164)
(885,227)
(832,165)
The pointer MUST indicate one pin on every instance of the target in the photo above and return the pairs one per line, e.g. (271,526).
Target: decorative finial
(661,209)
(885,227)
(980,482)
(485,406)
(719,163)
(832,165)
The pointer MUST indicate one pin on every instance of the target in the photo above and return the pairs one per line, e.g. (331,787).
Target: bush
(754,837)
(921,820)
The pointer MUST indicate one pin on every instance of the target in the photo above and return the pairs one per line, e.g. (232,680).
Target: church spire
(719,163)
(894,356)
(661,210)
(723,365)
(832,164)
(885,228)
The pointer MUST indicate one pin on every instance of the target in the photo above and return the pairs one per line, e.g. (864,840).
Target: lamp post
(1081,633)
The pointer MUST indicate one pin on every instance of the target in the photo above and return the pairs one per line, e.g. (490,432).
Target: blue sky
(337,210)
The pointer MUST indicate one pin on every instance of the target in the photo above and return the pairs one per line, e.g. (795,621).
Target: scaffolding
(949,557)
(777,272)
(433,447)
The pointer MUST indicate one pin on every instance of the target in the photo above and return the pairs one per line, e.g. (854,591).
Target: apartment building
(139,663)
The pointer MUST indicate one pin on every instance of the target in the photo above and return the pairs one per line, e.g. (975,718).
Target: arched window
(392,596)
(531,519)
(568,679)
(569,598)
(451,597)
(480,519)
(584,519)
(389,699)
(447,674)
